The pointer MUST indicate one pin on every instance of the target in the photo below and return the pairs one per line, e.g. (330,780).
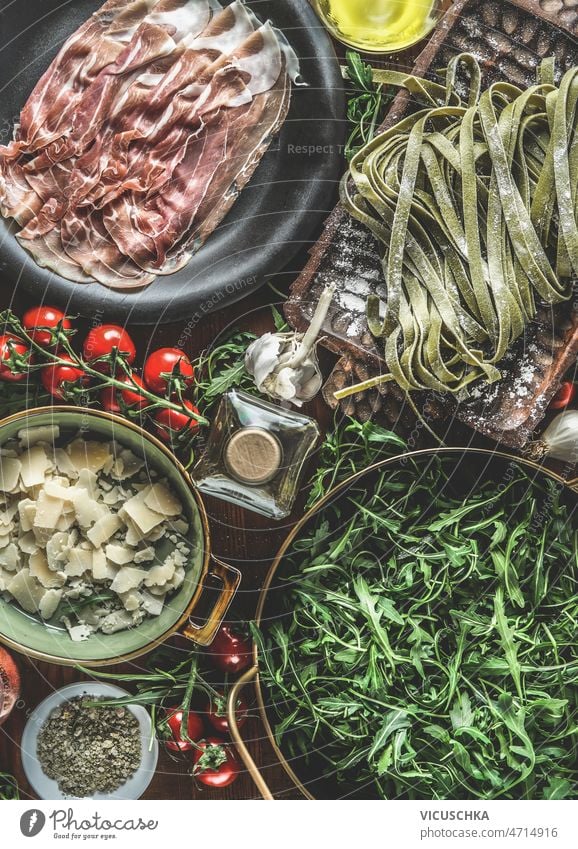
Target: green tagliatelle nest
(474,204)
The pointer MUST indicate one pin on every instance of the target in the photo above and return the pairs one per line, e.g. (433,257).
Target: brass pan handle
(230,577)
(252,767)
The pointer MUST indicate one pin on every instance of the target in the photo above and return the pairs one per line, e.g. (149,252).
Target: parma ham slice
(136,141)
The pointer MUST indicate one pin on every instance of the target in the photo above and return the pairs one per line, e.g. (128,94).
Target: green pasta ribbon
(473,200)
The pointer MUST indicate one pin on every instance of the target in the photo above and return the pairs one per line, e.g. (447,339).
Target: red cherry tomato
(109,396)
(109,400)
(170,730)
(102,341)
(564,396)
(9,345)
(164,363)
(230,651)
(216,713)
(59,379)
(169,423)
(215,763)
(40,322)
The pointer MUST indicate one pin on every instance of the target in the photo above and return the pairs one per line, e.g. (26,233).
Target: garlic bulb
(559,440)
(285,365)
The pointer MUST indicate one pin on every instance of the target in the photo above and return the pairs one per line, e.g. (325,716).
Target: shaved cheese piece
(9,474)
(39,568)
(89,480)
(127,579)
(113,496)
(10,557)
(59,488)
(144,555)
(78,633)
(27,512)
(64,464)
(103,529)
(27,591)
(5,578)
(144,518)
(79,562)
(88,511)
(57,550)
(7,515)
(88,455)
(131,600)
(48,511)
(126,465)
(28,543)
(102,570)
(49,603)
(119,620)
(159,575)
(160,499)
(44,433)
(119,554)
(34,466)
(133,535)
(66,521)
(177,580)
(153,605)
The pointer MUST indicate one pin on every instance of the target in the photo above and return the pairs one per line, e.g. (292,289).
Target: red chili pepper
(564,396)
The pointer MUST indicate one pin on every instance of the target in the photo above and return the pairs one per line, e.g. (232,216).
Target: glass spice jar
(255,454)
(9,684)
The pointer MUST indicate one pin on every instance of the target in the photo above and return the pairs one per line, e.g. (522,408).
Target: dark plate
(276,215)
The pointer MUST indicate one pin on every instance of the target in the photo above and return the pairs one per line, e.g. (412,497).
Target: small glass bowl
(337,17)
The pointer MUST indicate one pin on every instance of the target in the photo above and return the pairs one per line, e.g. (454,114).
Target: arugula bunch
(426,643)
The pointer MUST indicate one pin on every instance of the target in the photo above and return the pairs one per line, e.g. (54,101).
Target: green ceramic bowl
(31,636)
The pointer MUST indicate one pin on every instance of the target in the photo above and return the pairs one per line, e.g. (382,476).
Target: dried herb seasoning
(88,748)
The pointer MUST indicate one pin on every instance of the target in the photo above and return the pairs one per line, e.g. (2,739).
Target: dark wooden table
(239,537)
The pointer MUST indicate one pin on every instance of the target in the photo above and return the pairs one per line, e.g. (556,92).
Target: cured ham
(136,141)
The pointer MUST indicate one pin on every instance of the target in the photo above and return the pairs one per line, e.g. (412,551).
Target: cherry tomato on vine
(12,345)
(60,378)
(169,423)
(161,364)
(102,341)
(109,396)
(564,396)
(215,763)
(230,651)
(109,399)
(170,730)
(216,713)
(41,322)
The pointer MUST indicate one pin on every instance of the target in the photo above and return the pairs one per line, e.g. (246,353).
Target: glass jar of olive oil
(379,26)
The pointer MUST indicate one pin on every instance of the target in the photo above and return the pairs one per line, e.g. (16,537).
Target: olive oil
(379,26)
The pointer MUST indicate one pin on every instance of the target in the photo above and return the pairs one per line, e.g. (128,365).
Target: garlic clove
(560,439)
(261,357)
(285,365)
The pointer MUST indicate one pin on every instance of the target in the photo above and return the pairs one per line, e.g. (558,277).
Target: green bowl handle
(230,578)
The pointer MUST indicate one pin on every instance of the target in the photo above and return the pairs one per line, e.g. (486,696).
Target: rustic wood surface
(238,537)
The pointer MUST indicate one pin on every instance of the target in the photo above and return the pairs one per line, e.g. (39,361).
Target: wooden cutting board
(509,38)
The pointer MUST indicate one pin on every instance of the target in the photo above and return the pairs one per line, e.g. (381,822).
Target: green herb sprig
(9,790)
(367,105)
